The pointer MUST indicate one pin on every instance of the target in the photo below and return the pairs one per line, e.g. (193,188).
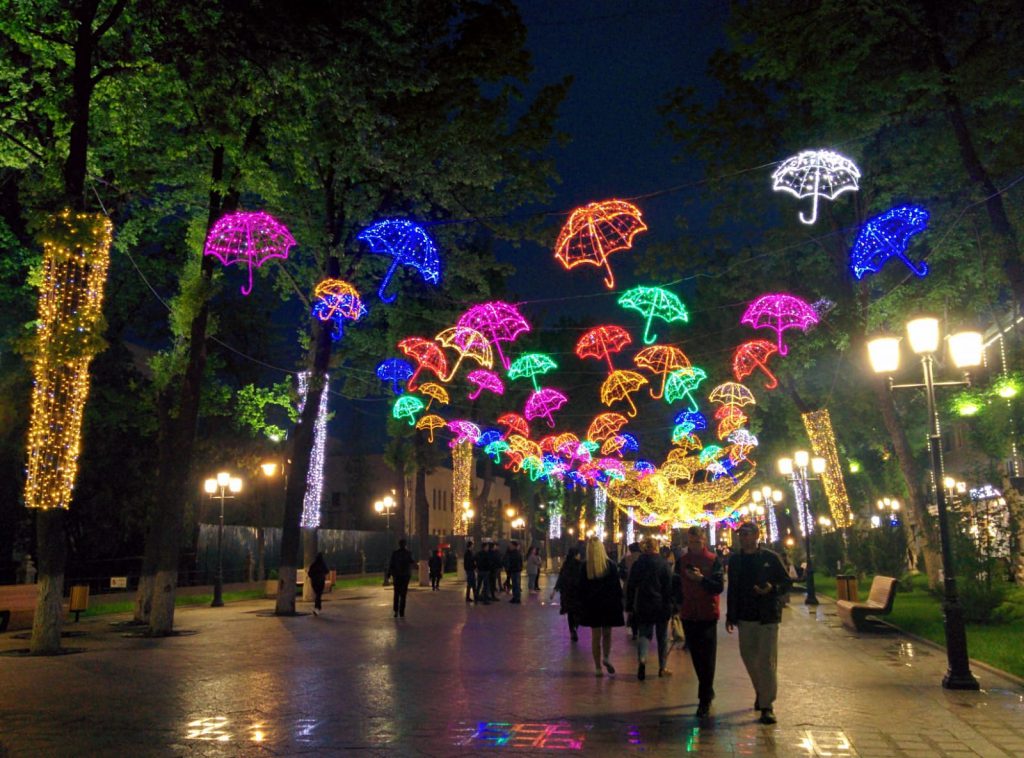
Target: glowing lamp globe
(884,354)
(786,466)
(223,479)
(818,465)
(235,484)
(966,348)
(801,458)
(210,486)
(923,334)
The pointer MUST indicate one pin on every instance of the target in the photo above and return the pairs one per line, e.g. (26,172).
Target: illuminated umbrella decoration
(533,466)
(683,436)
(394,370)
(732,394)
(566,441)
(601,341)
(498,322)
(337,301)
(468,343)
(485,380)
(543,403)
(487,437)
(513,422)
(693,420)
(408,244)
(605,425)
(428,355)
(430,423)
(816,173)
(620,444)
(464,431)
(729,411)
(661,360)
(743,438)
(654,302)
(754,355)
(643,468)
(730,424)
(710,453)
(619,386)
(780,312)
(495,449)
(684,383)
(434,392)
(595,231)
(885,236)
(530,366)
(406,407)
(250,238)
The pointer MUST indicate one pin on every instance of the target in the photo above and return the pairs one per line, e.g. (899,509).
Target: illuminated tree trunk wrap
(823,442)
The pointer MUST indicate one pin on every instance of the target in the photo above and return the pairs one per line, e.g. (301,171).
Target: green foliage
(251,408)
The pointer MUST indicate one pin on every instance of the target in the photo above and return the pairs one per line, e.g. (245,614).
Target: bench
(879,603)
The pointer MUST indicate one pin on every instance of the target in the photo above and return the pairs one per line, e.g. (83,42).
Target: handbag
(677,630)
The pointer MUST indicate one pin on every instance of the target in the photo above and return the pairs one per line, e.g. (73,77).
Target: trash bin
(846,587)
(79,599)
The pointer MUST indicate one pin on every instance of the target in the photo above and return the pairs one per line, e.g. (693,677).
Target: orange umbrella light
(595,231)
(427,354)
(619,386)
(434,392)
(605,425)
(661,360)
(468,343)
(513,422)
(601,341)
(753,355)
(732,393)
(729,411)
(430,423)
(730,424)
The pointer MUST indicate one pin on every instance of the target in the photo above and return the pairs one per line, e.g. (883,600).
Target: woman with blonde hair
(601,593)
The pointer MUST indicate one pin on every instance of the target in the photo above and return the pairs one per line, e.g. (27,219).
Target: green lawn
(919,612)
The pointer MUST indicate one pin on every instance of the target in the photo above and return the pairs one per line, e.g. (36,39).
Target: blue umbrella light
(408,244)
(885,236)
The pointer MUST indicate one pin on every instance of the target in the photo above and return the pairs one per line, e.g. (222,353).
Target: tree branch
(110,20)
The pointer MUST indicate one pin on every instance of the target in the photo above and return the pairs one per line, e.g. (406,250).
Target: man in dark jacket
(469,564)
(400,572)
(701,581)
(483,573)
(514,568)
(757,583)
(649,600)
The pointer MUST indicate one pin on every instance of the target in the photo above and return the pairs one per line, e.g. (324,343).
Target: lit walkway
(452,679)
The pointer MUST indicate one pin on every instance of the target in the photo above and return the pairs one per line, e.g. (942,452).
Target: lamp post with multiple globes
(218,488)
(965,349)
(795,470)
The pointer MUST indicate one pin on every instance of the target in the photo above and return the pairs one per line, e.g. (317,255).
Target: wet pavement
(457,679)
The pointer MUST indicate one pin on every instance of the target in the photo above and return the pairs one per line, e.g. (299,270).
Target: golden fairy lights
(462,484)
(823,441)
(76,255)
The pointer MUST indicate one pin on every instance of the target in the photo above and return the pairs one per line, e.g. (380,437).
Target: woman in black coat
(601,592)
(317,575)
(568,588)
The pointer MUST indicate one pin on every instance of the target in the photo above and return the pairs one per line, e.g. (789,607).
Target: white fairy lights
(315,477)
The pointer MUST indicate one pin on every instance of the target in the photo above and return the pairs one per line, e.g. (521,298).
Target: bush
(981,599)
(1011,610)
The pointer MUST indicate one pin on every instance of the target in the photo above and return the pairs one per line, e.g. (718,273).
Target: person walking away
(483,574)
(435,566)
(601,592)
(494,556)
(757,583)
(533,561)
(568,588)
(317,576)
(632,553)
(400,572)
(469,564)
(701,583)
(514,568)
(649,599)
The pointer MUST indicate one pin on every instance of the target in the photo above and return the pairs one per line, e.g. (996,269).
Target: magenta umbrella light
(780,312)
(542,403)
(249,237)
(498,322)
(485,380)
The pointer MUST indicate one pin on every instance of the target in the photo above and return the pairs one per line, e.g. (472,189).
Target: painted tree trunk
(52,547)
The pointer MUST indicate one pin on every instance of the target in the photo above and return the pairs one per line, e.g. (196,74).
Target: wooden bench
(879,603)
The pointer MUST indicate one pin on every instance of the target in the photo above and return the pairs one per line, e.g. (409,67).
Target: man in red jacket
(702,581)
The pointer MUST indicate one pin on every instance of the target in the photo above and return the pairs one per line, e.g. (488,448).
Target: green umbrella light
(654,302)
(531,365)
(406,407)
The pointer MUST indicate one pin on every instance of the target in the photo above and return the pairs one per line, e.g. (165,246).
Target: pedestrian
(483,574)
(469,564)
(632,553)
(568,588)
(701,583)
(533,562)
(649,600)
(435,566)
(494,558)
(514,569)
(317,576)
(757,583)
(601,592)
(400,572)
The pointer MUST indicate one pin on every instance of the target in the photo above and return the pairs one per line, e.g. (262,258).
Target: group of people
(649,589)
(484,568)
(592,594)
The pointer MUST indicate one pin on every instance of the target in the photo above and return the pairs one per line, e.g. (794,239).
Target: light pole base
(965,681)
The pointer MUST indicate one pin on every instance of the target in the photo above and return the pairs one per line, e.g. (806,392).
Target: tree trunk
(915,517)
(421,503)
(177,442)
(309,550)
(52,551)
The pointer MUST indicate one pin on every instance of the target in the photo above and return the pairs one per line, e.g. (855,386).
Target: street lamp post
(217,489)
(385,507)
(764,502)
(966,351)
(795,470)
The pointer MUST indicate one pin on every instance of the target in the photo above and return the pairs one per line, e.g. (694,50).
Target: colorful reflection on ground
(533,735)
